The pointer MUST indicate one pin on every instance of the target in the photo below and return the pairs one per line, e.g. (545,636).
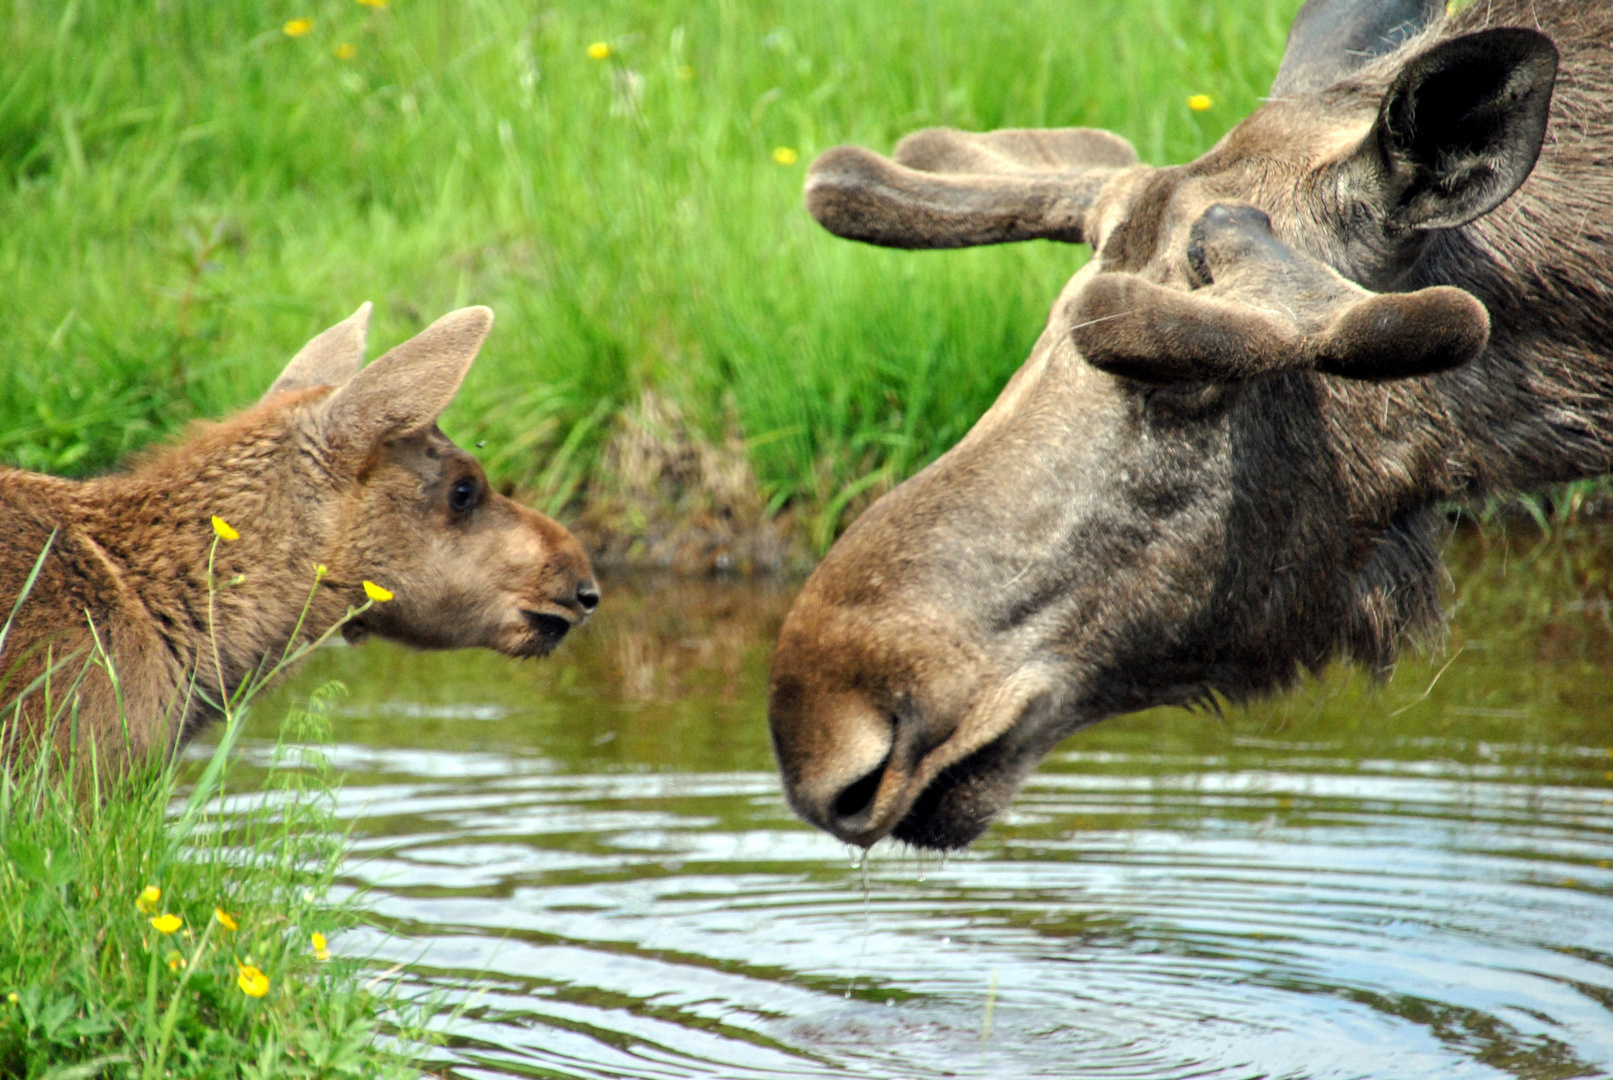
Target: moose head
(1220,466)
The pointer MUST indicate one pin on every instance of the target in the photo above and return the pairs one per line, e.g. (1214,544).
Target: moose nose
(835,751)
(588,595)
(849,813)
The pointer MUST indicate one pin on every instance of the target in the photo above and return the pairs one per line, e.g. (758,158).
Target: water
(1398,882)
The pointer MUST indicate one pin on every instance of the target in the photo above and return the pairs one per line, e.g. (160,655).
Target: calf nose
(588,595)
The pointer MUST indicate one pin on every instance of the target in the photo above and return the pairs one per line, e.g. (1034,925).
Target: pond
(1396,881)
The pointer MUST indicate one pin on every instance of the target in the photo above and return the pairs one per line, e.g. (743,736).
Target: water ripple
(1219,923)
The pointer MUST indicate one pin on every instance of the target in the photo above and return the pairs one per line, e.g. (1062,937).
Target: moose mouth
(548,631)
(949,813)
(947,798)
(955,808)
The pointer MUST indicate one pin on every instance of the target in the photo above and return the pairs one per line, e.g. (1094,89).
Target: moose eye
(462,496)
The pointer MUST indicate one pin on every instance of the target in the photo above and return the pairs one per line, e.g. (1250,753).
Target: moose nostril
(857,797)
(588,596)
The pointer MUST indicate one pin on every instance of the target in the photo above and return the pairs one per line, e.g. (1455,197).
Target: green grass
(154,925)
(93,988)
(187,193)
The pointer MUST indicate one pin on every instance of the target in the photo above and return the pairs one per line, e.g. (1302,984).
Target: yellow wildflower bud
(320,570)
(223,918)
(297,27)
(599,50)
(320,950)
(175,960)
(785,155)
(1199,102)
(167,924)
(12,997)
(222,529)
(376,593)
(146,902)
(253,983)
(346,51)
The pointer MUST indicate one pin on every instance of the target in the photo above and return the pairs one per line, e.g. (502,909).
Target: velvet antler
(1266,309)
(950,189)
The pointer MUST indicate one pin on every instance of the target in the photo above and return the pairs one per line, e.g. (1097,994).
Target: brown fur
(334,468)
(1221,465)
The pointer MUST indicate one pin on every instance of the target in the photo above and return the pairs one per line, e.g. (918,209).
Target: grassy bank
(142,939)
(157,925)
(187,192)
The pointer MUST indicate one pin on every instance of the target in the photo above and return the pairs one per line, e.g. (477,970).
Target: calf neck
(143,621)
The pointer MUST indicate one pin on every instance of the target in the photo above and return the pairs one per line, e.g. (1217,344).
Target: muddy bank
(668,497)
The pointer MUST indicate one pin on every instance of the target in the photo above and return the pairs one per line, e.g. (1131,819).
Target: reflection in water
(1407,881)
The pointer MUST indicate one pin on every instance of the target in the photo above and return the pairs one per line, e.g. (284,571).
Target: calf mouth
(546,631)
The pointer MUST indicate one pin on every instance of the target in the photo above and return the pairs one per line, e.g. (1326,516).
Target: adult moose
(340,467)
(1220,465)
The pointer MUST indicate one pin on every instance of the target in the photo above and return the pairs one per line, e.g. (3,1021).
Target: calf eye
(462,496)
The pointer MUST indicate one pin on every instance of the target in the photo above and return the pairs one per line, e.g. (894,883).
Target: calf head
(1215,471)
(394,501)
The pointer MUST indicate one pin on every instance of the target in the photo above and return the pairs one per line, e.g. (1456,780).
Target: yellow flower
(175,960)
(599,50)
(785,155)
(1199,102)
(374,3)
(253,983)
(223,918)
(376,593)
(222,529)
(320,951)
(146,902)
(346,51)
(12,997)
(297,27)
(167,924)
(320,570)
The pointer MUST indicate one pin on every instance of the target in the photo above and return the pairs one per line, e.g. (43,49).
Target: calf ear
(330,359)
(405,390)
(1462,125)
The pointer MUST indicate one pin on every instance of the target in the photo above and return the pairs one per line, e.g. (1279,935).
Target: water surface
(1395,882)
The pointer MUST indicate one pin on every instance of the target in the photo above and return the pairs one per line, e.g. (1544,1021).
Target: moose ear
(1462,125)
(330,359)
(405,390)
(1329,39)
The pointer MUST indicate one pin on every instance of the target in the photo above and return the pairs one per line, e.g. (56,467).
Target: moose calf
(133,635)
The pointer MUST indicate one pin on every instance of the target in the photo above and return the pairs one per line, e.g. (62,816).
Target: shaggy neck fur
(1537,406)
(131,558)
